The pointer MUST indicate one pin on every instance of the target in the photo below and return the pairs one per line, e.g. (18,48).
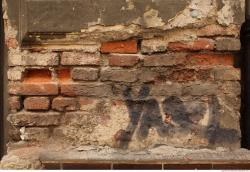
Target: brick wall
(131,86)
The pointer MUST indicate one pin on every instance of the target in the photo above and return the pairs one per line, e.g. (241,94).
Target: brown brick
(170,59)
(14,103)
(80,58)
(33,89)
(85,74)
(119,75)
(228,44)
(36,103)
(34,118)
(227,74)
(64,104)
(211,59)
(92,89)
(216,30)
(137,166)
(200,44)
(125,47)
(123,60)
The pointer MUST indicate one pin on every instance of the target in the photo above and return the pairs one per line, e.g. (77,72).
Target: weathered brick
(217,30)
(166,89)
(197,45)
(36,103)
(86,89)
(125,47)
(119,75)
(80,58)
(200,89)
(34,59)
(11,43)
(211,59)
(228,44)
(33,89)
(227,74)
(14,103)
(153,46)
(64,104)
(34,134)
(88,104)
(14,133)
(123,60)
(231,88)
(15,74)
(170,59)
(85,74)
(34,118)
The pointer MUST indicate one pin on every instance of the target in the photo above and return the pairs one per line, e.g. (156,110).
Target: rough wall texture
(129,74)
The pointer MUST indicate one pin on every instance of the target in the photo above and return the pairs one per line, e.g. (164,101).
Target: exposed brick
(37,75)
(34,118)
(166,89)
(64,104)
(11,43)
(216,30)
(81,89)
(64,75)
(33,89)
(200,89)
(211,59)
(14,103)
(88,104)
(228,44)
(14,133)
(15,74)
(200,44)
(227,74)
(119,75)
(231,88)
(34,59)
(80,58)
(153,46)
(125,47)
(123,60)
(85,74)
(36,103)
(171,59)
(34,134)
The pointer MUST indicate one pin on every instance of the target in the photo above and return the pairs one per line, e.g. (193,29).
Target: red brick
(211,59)
(123,60)
(63,75)
(64,104)
(34,76)
(36,103)
(200,44)
(126,47)
(33,89)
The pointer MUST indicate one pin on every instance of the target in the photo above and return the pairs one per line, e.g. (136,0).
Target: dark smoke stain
(180,117)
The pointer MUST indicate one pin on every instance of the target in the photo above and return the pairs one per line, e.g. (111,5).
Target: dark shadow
(2,143)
